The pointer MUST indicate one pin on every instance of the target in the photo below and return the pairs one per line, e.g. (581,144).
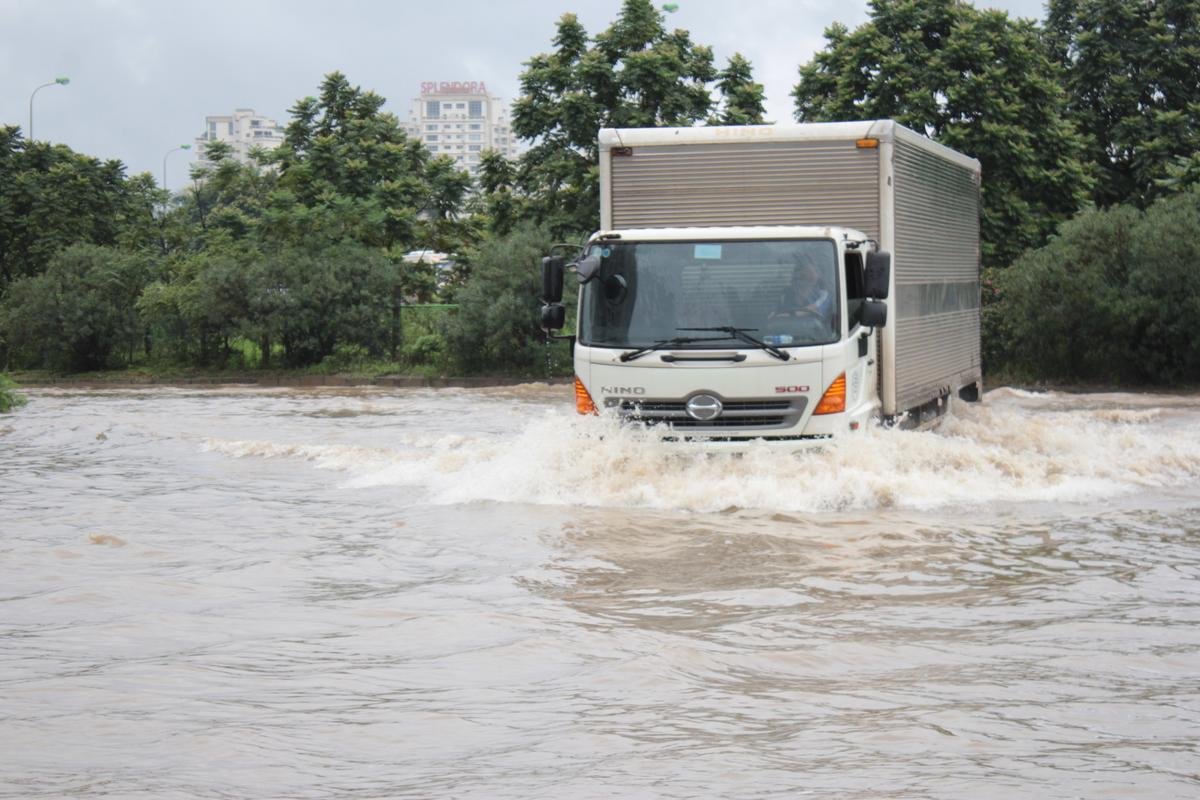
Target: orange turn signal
(583,400)
(834,399)
(867,144)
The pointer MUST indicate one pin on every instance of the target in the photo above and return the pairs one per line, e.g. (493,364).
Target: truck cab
(729,334)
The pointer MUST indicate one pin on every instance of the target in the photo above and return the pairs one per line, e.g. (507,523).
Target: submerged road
(472,593)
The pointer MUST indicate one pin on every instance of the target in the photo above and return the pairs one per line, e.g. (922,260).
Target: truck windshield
(644,292)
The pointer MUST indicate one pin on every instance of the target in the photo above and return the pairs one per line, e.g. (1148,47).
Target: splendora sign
(454,87)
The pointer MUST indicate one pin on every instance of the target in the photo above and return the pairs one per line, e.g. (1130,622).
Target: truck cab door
(862,370)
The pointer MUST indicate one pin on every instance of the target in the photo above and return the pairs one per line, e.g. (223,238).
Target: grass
(244,362)
(168,373)
(1026,380)
(422,357)
(349,366)
(9,397)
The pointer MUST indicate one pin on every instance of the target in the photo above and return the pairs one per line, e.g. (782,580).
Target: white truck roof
(885,130)
(741,232)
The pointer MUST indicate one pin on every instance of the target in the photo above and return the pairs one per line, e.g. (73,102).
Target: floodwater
(365,593)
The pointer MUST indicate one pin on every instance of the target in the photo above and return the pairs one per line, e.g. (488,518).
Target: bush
(193,316)
(425,349)
(497,327)
(305,304)
(9,399)
(80,314)
(1113,297)
(345,358)
(311,303)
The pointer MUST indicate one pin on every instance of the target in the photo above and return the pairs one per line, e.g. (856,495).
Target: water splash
(1018,447)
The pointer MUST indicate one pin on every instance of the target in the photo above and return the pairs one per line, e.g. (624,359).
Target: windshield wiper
(741,333)
(650,348)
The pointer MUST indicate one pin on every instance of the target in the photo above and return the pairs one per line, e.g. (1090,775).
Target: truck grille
(735,413)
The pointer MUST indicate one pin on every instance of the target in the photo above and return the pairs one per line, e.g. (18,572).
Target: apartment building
(460,119)
(243,130)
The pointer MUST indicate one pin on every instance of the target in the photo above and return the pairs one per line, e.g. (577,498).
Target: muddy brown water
(472,593)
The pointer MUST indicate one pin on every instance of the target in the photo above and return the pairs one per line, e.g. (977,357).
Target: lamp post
(59,81)
(172,150)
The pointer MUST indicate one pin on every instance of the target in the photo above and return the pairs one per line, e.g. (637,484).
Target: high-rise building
(242,131)
(461,120)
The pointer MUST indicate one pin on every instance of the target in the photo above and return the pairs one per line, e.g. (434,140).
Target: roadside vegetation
(1113,298)
(9,397)
(1087,126)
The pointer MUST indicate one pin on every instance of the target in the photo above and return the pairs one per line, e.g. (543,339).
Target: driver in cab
(805,297)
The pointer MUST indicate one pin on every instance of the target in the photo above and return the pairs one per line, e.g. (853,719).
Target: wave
(1006,450)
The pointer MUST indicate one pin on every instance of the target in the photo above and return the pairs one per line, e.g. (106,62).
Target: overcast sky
(145,73)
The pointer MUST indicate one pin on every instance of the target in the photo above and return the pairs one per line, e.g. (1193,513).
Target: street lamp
(172,150)
(59,81)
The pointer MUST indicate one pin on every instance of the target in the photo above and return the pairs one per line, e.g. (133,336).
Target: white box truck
(784,283)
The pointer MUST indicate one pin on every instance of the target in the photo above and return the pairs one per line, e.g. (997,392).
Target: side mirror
(552,279)
(588,267)
(878,275)
(874,314)
(554,316)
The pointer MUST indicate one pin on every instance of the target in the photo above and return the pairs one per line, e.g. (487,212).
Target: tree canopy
(348,172)
(1131,78)
(974,80)
(634,74)
(302,249)
(52,197)
(742,97)
(299,256)
(1112,297)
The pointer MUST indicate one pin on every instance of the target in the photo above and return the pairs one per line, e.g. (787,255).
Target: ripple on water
(472,593)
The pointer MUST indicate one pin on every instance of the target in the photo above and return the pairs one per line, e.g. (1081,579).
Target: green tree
(634,74)
(313,301)
(52,197)
(1182,173)
(9,397)
(80,313)
(201,304)
(498,202)
(1112,297)
(974,80)
(1131,78)
(348,173)
(442,225)
(741,96)
(227,196)
(497,327)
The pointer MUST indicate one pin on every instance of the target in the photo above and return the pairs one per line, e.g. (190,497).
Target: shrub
(9,399)
(80,314)
(312,303)
(193,315)
(425,349)
(1114,296)
(497,327)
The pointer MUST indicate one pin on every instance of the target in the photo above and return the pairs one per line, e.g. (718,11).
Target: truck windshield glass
(785,291)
